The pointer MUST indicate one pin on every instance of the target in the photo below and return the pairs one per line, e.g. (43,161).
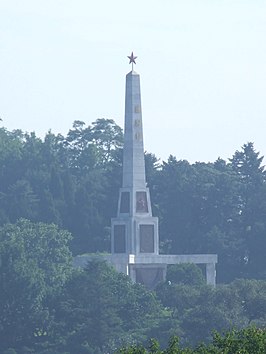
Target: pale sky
(202,65)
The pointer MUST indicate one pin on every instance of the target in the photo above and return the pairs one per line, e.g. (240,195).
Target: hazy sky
(202,65)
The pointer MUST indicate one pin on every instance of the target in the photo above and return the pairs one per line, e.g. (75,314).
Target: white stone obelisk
(133,155)
(134,230)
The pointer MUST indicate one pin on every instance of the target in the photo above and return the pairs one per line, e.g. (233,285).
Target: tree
(202,309)
(10,166)
(94,159)
(35,263)
(102,309)
(107,136)
(252,204)
(247,163)
(199,212)
(172,194)
(250,340)
(186,273)
(251,294)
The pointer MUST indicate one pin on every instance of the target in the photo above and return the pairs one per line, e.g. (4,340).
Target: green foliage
(46,307)
(187,274)
(215,208)
(35,263)
(103,308)
(73,182)
(250,340)
(202,309)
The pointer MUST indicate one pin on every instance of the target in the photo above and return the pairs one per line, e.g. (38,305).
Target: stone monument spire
(133,157)
(134,231)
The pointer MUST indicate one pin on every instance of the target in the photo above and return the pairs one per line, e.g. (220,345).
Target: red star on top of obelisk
(132,58)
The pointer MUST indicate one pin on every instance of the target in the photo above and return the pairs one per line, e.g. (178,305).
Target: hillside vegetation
(57,196)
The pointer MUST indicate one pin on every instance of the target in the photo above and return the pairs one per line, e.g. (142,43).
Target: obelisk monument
(134,230)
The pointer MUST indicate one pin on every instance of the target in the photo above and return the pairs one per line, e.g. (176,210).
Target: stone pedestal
(151,269)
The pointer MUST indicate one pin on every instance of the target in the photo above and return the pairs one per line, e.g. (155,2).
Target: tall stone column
(133,155)
(134,230)
(211,274)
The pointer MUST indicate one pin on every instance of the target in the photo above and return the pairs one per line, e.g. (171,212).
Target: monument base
(150,270)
